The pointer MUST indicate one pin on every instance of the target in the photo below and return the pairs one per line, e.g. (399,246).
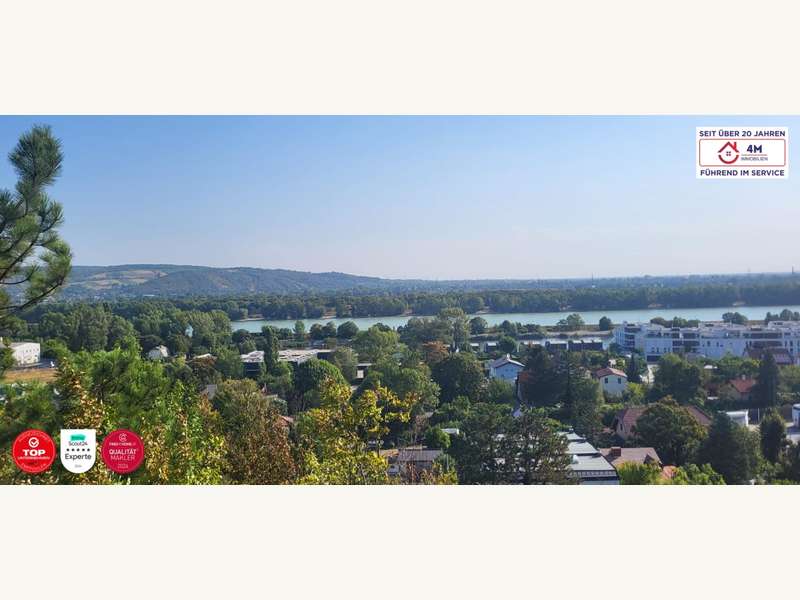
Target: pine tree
(766,390)
(34,261)
(632,372)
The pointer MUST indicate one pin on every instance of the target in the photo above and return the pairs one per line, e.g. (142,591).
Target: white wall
(27,353)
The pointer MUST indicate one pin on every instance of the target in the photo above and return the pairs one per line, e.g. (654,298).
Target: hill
(184,280)
(136,280)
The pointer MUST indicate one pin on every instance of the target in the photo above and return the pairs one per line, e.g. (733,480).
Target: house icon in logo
(729,153)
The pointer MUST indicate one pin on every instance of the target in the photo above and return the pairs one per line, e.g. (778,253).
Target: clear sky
(408,197)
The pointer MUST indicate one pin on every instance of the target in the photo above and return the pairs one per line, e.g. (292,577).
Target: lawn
(25,375)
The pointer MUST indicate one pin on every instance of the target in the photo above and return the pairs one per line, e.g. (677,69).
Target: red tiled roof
(609,371)
(699,415)
(642,456)
(628,417)
(743,386)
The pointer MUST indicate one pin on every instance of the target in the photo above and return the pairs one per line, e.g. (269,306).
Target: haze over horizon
(441,198)
(411,278)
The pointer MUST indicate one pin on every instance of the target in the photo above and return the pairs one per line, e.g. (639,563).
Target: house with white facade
(158,353)
(25,353)
(505,368)
(613,381)
(740,417)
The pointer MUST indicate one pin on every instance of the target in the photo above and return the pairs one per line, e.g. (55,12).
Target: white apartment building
(713,340)
(25,353)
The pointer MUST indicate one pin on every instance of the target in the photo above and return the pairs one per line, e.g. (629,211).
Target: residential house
(624,422)
(740,417)
(505,368)
(613,381)
(742,389)
(796,415)
(252,363)
(410,462)
(585,344)
(158,353)
(25,353)
(617,456)
(587,464)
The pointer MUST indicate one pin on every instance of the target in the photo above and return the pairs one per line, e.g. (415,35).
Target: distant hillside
(184,280)
(180,280)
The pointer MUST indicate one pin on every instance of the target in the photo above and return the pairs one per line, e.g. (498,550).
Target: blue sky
(428,197)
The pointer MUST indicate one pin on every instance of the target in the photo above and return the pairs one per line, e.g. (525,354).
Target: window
(619,379)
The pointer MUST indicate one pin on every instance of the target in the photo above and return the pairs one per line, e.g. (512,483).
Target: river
(591,317)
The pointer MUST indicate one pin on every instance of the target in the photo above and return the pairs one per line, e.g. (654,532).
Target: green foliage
(478,325)
(500,391)
(572,322)
(734,317)
(632,372)
(678,378)
(347,362)
(604,324)
(34,261)
(772,431)
(507,344)
(533,451)
(436,438)
(459,374)
(309,378)
(477,448)
(732,451)
(256,438)
(376,344)
(692,474)
(6,360)
(333,439)
(671,430)
(631,473)
(767,382)
(347,330)
(732,367)
(542,384)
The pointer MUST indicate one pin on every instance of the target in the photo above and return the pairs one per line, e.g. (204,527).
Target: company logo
(33,451)
(123,451)
(78,449)
(729,153)
(742,152)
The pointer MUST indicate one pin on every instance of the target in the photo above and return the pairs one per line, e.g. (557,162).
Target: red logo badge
(729,153)
(123,451)
(33,451)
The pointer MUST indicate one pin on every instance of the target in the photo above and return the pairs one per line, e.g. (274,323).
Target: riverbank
(544,318)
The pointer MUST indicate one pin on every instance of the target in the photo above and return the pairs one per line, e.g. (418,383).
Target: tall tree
(32,255)
(270,347)
(477,449)
(334,438)
(632,372)
(671,430)
(732,451)
(256,436)
(678,378)
(459,374)
(767,382)
(533,451)
(772,431)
